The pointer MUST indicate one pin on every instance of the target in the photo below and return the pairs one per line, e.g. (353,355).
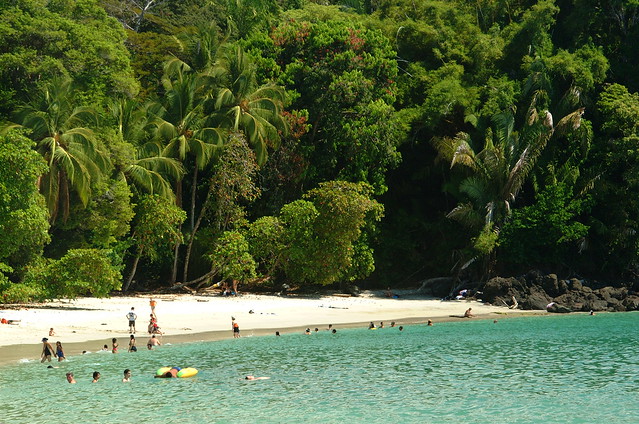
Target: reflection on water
(561,369)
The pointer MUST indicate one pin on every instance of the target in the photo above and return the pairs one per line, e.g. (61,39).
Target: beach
(86,324)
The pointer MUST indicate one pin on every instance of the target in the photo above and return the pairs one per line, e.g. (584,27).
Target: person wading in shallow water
(236,329)
(47,350)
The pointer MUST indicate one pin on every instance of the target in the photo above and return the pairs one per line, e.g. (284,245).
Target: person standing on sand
(47,350)
(152,304)
(131,316)
(114,345)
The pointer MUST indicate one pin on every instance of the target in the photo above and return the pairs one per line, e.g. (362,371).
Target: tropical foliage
(292,142)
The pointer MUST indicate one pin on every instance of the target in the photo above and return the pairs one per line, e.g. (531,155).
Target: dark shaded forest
(163,144)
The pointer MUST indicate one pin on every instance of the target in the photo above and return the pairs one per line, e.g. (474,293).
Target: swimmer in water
(250,377)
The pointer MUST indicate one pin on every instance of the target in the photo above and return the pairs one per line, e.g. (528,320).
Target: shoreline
(89,323)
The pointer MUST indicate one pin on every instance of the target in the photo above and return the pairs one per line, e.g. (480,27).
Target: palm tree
(499,170)
(144,166)
(243,106)
(178,124)
(75,158)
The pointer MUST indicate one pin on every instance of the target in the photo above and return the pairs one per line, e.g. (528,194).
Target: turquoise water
(555,369)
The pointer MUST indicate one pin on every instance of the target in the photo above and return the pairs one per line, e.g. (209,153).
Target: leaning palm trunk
(133,270)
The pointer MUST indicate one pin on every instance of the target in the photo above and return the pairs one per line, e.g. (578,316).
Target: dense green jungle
(180,145)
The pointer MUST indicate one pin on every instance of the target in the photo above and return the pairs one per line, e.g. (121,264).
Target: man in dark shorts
(131,316)
(236,330)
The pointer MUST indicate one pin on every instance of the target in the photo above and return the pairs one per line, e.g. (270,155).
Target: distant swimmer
(333,331)
(250,377)
(430,322)
(371,326)
(70,378)
(153,342)
(47,350)
(307,331)
(401,328)
(381,324)
(127,376)
(96,377)
(114,345)
(468,313)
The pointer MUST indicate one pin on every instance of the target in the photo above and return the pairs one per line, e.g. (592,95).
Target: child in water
(59,351)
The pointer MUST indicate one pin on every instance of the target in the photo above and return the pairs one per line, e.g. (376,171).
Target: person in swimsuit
(132,347)
(172,373)
(152,304)
(96,377)
(70,378)
(236,330)
(127,376)
(468,313)
(51,332)
(59,351)
(153,342)
(114,345)
(47,350)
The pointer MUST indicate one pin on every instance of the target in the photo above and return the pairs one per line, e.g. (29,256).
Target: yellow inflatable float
(175,372)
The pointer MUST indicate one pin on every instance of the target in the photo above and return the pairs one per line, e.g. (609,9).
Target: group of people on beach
(58,352)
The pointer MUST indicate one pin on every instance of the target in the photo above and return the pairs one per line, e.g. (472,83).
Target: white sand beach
(88,323)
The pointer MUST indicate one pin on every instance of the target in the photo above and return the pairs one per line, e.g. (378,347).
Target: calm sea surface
(555,369)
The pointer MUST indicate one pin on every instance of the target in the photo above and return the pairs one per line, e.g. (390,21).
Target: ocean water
(543,369)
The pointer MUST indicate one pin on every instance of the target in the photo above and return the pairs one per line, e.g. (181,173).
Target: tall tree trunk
(176,252)
(175,263)
(193,192)
(192,237)
(133,270)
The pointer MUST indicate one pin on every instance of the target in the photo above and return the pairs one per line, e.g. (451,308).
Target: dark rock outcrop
(535,290)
